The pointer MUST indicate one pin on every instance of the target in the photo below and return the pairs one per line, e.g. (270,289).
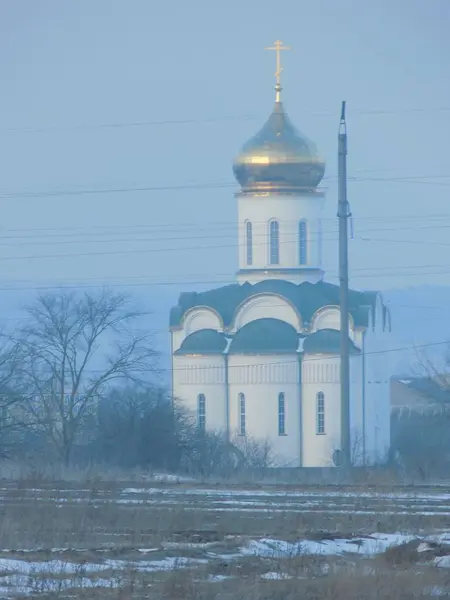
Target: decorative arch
(201,317)
(329,317)
(266,305)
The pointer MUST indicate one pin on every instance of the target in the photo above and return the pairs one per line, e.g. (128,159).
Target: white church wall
(194,375)
(261,378)
(194,320)
(288,210)
(320,374)
(357,411)
(377,390)
(265,306)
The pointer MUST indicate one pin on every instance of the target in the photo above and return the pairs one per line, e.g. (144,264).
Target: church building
(260,357)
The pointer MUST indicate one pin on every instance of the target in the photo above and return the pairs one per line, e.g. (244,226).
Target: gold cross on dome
(278,47)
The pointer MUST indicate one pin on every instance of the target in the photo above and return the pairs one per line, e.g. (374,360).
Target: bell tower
(279,201)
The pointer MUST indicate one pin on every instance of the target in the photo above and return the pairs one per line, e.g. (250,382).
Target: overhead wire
(289,361)
(4,195)
(105,283)
(425,221)
(218,119)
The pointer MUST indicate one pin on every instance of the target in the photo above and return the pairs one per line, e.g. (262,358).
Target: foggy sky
(69,69)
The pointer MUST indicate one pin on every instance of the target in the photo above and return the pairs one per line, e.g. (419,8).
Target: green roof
(306,297)
(205,341)
(326,341)
(265,336)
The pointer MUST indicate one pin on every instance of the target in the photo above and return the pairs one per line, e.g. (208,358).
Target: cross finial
(278,47)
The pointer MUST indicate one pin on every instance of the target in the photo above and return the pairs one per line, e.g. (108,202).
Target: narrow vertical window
(249,242)
(201,412)
(302,243)
(274,242)
(281,414)
(241,414)
(320,243)
(320,424)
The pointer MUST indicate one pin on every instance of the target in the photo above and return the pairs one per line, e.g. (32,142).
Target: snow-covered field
(92,540)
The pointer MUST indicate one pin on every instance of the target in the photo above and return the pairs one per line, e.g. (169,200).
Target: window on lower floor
(281,414)
(320,411)
(241,414)
(201,412)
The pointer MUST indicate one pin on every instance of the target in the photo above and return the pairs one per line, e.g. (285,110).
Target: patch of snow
(187,545)
(170,478)
(288,493)
(367,546)
(437,591)
(13,585)
(272,575)
(61,567)
(442,561)
(216,578)
(10,565)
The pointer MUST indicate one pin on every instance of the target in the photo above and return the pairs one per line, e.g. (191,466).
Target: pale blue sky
(68,67)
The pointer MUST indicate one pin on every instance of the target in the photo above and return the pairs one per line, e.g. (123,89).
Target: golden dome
(278,157)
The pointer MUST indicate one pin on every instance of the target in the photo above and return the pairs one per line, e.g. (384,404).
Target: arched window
(320,410)
(249,242)
(241,414)
(274,242)
(302,243)
(201,412)
(281,414)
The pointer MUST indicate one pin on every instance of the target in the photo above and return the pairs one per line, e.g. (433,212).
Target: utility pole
(343,216)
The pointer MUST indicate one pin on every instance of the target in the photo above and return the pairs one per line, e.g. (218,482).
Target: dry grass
(83,518)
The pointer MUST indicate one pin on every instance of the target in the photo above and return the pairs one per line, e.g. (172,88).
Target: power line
(197,186)
(293,362)
(162,250)
(109,230)
(377,272)
(233,232)
(214,120)
(287,362)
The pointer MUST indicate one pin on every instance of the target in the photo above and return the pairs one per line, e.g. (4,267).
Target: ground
(181,539)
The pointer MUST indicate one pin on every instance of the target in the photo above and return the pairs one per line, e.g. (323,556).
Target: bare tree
(12,417)
(256,454)
(434,373)
(145,421)
(421,431)
(76,345)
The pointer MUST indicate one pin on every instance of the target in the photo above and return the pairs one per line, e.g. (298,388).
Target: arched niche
(266,306)
(329,317)
(201,317)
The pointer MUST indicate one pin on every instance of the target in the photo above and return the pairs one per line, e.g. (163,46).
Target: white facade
(299,376)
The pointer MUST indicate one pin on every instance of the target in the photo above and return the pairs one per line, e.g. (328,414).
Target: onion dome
(278,158)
